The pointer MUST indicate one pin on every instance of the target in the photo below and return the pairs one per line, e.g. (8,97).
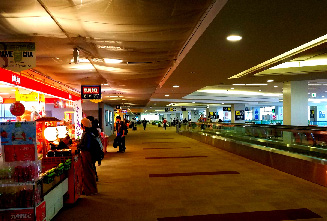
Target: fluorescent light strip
(285,55)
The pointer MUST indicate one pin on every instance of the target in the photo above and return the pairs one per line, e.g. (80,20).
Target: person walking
(85,145)
(120,134)
(164,122)
(144,122)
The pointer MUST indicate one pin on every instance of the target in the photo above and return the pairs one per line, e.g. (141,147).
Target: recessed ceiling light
(175,86)
(166,95)
(257,84)
(275,86)
(234,38)
(270,81)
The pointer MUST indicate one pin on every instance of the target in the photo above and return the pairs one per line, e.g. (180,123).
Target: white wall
(58,113)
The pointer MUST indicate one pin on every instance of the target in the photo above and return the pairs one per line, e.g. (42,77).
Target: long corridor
(163,174)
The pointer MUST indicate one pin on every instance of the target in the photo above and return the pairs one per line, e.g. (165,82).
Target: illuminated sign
(91,92)
(239,115)
(226,108)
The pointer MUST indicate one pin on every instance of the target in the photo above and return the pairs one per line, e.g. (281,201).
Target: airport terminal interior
(163,110)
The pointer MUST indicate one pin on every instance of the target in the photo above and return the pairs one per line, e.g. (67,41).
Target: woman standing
(89,181)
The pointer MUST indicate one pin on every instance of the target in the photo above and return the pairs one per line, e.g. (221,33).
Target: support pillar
(295,103)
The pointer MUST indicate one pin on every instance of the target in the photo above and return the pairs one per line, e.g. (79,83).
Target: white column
(295,103)
(194,115)
(185,115)
(237,109)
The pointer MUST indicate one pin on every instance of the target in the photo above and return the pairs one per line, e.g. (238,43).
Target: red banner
(19,80)
(19,152)
(19,214)
(40,212)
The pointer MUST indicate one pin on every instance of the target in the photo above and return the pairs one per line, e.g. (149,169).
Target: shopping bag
(115,143)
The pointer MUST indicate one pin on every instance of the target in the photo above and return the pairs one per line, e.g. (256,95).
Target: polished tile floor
(205,180)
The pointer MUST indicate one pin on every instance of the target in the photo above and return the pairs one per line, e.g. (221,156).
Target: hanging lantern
(17,109)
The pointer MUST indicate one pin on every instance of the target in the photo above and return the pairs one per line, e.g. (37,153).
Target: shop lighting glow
(113,96)
(175,86)
(166,95)
(50,133)
(234,38)
(239,84)
(270,81)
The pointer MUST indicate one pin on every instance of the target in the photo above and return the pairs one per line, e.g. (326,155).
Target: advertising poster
(18,140)
(17,56)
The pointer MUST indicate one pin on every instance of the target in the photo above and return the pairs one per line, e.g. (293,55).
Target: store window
(5,114)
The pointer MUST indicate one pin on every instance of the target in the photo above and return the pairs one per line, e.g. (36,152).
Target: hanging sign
(239,115)
(91,92)
(226,108)
(17,56)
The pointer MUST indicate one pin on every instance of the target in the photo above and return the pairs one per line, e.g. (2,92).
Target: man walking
(120,134)
(144,123)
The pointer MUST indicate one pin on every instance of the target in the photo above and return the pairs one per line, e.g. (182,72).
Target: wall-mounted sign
(313,94)
(17,56)
(322,114)
(239,115)
(167,109)
(226,108)
(91,92)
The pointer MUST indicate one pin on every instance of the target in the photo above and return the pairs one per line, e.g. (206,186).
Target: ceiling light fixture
(113,96)
(222,103)
(193,102)
(166,95)
(275,86)
(232,88)
(175,86)
(239,84)
(270,81)
(112,61)
(234,38)
(257,84)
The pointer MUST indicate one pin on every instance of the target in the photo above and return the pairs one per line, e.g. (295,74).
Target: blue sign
(322,114)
